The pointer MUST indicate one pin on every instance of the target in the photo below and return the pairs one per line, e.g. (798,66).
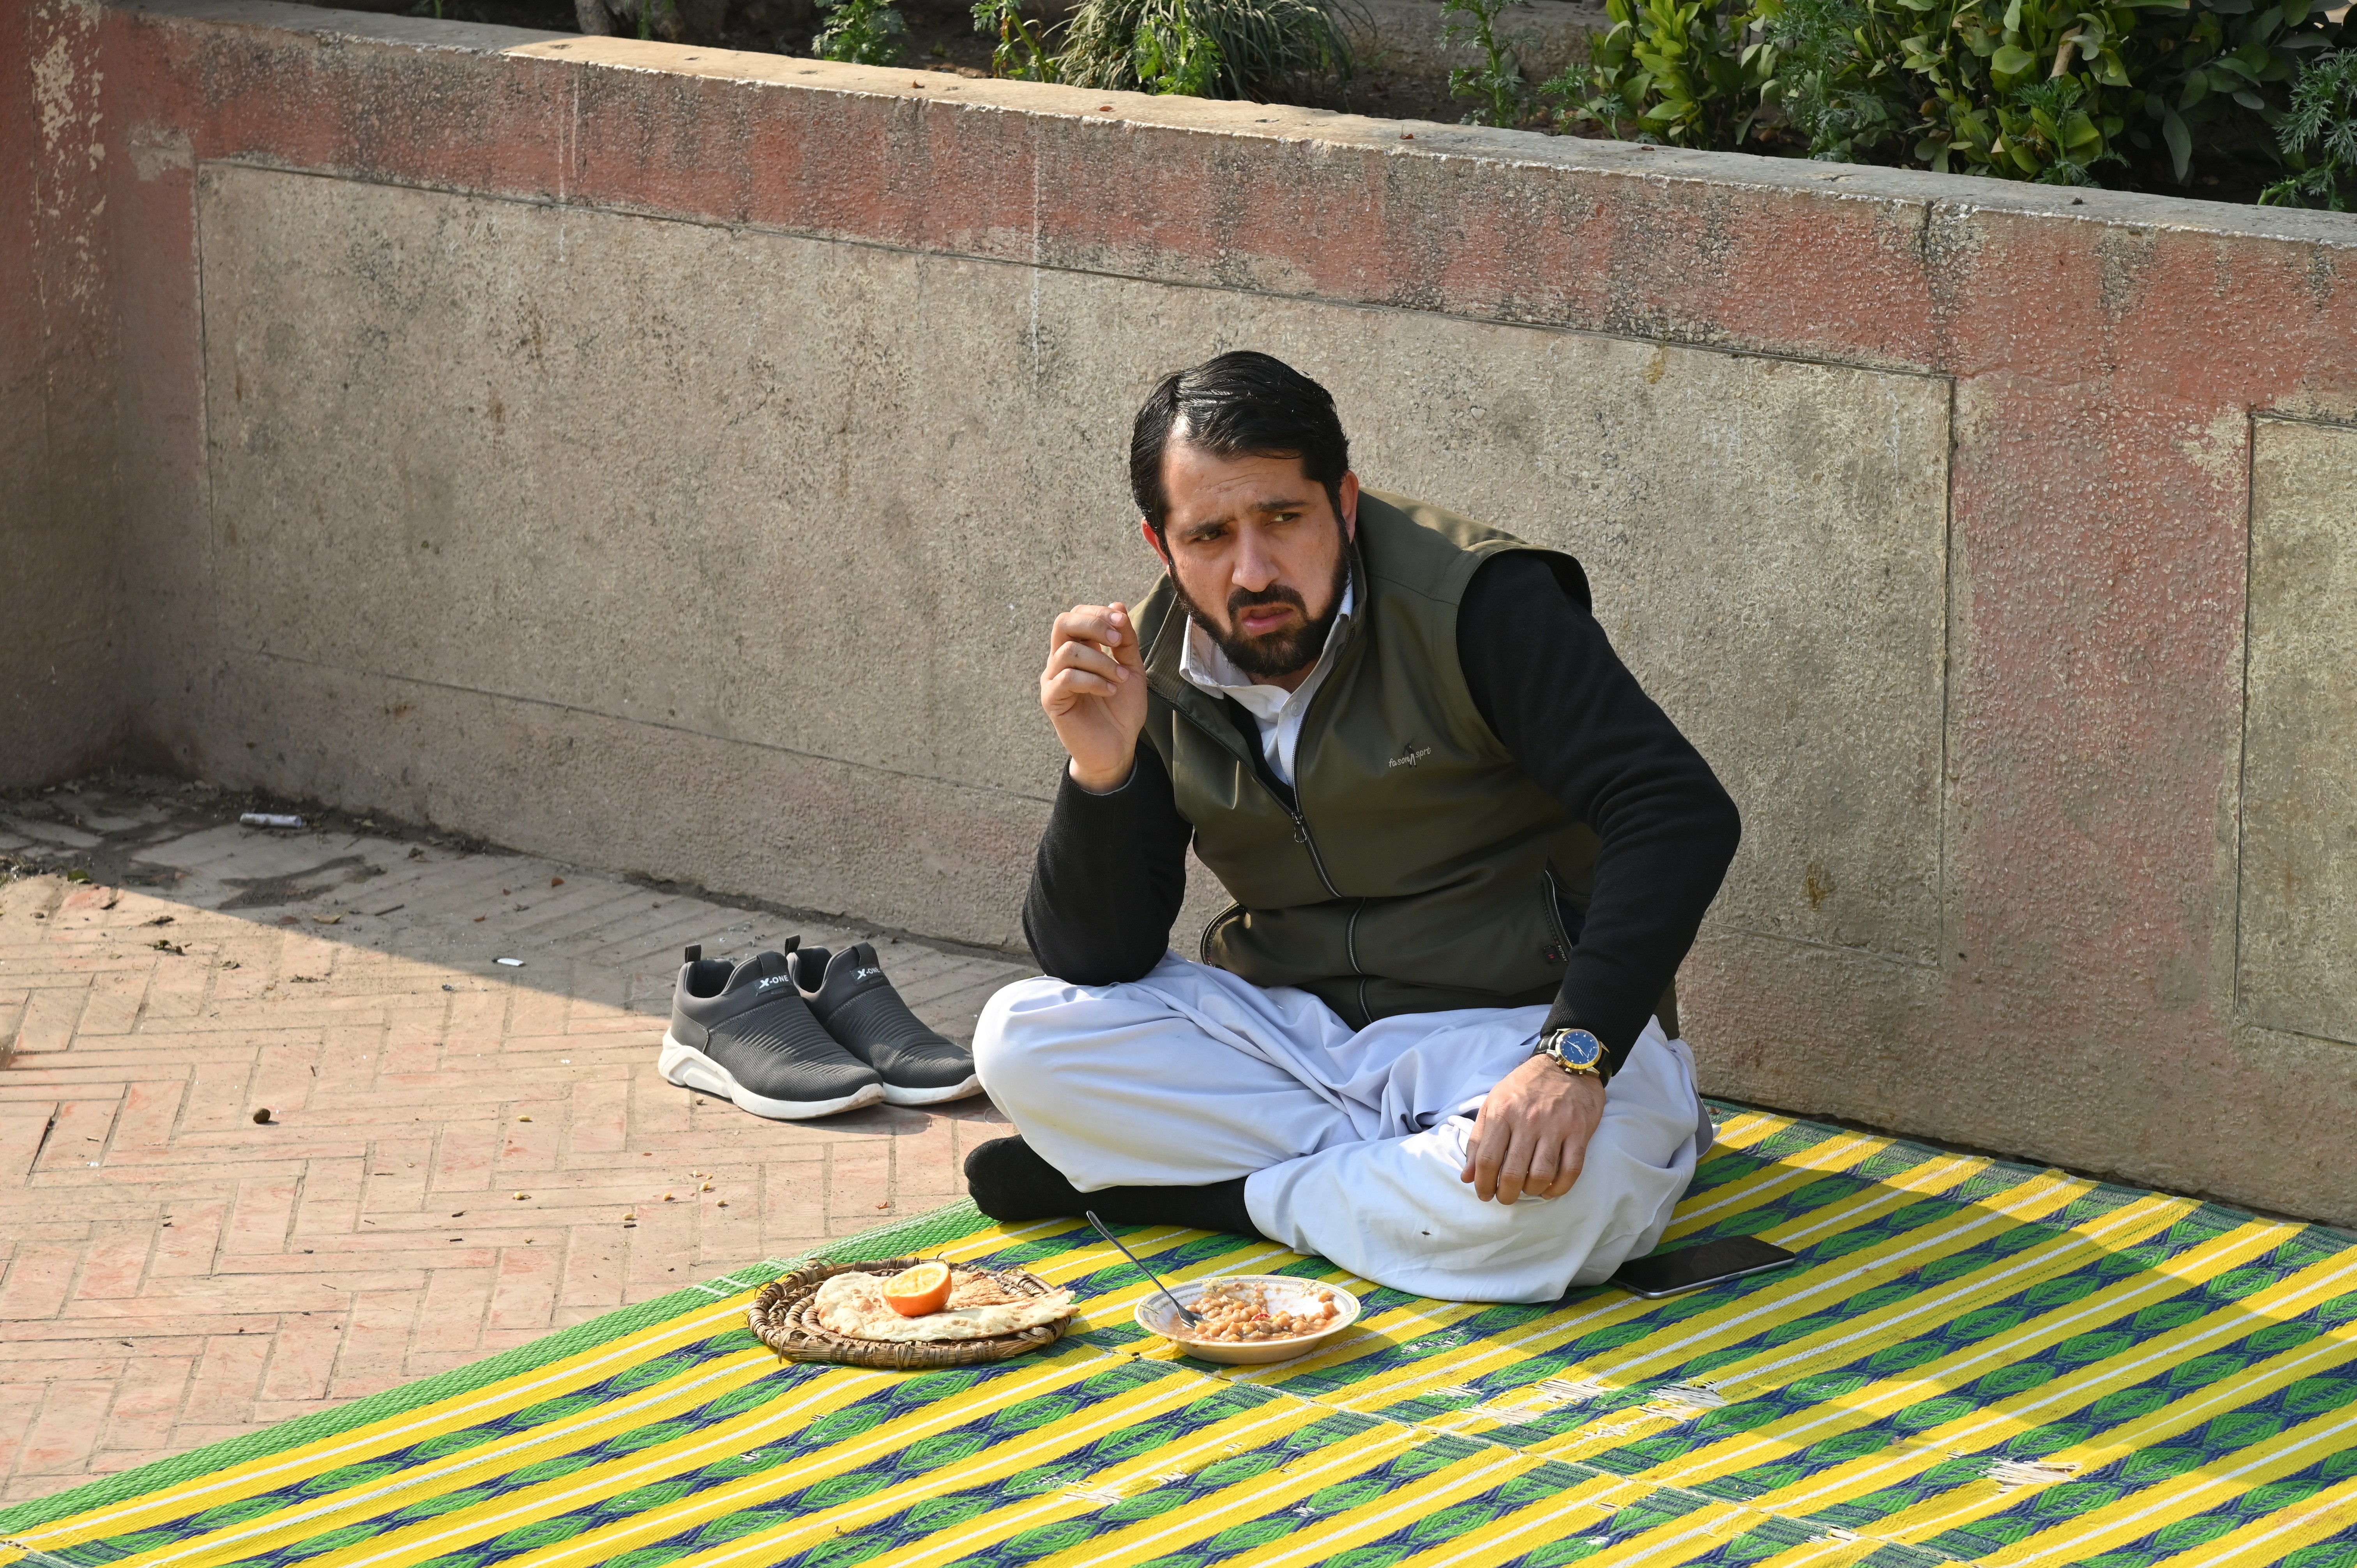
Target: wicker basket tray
(782,1318)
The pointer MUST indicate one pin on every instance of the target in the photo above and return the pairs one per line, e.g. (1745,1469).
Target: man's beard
(1276,653)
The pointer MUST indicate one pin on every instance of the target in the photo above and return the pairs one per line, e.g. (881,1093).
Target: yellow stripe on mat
(2329,1516)
(1747,1316)
(2144,1511)
(239,1541)
(1088,1495)
(770,1545)
(1835,1157)
(2029,1201)
(738,1435)
(1038,1446)
(2011,1417)
(1324,1539)
(471,1408)
(1885,1396)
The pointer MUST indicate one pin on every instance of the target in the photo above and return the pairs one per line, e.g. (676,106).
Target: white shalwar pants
(1353,1142)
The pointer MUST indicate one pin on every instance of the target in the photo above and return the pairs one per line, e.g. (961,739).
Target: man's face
(1256,551)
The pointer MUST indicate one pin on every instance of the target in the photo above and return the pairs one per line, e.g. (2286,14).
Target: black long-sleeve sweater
(1111,872)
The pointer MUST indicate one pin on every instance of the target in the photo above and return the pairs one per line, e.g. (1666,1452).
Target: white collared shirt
(1274,710)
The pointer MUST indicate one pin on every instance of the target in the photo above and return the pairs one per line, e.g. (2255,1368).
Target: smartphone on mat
(1692,1268)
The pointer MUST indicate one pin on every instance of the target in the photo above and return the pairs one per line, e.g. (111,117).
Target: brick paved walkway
(454,1146)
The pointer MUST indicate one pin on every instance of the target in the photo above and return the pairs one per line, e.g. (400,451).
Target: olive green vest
(1421,868)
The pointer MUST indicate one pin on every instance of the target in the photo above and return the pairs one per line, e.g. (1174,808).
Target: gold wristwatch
(1575,1051)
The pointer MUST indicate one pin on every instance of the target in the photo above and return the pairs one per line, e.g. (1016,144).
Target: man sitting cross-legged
(1433,1038)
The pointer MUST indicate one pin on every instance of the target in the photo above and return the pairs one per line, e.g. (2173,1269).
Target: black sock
(1011,1183)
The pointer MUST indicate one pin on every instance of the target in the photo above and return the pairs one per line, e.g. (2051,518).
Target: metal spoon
(1189,1318)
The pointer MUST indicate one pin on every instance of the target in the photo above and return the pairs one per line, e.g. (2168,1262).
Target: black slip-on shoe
(848,994)
(742,1031)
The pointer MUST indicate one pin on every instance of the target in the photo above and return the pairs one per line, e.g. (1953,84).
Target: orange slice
(912,1293)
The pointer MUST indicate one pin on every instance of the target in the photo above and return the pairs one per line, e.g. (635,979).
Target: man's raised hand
(1093,690)
(1530,1137)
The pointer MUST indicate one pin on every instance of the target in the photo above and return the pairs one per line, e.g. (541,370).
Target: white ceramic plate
(1154,1316)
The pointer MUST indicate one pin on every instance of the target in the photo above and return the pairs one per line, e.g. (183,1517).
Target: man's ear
(1349,487)
(1154,542)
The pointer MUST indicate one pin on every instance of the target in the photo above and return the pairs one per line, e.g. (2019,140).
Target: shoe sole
(894,1095)
(691,1069)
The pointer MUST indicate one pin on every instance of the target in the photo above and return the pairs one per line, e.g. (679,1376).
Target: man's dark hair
(1237,405)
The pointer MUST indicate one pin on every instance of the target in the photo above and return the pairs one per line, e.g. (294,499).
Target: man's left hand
(1532,1134)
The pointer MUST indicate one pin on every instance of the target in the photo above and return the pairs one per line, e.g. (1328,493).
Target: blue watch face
(1579,1048)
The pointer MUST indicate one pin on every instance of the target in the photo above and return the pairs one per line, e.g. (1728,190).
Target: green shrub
(1679,72)
(1022,51)
(2022,95)
(1266,50)
(1500,95)
(2064,92)
(2317,136)
(861,32)
(2043,90)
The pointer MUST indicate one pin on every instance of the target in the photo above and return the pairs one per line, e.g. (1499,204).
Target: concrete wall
(671,460)
(2297,896)
(689,510)
(61,632)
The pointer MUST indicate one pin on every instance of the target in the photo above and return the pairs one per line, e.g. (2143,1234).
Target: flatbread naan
(853,1303)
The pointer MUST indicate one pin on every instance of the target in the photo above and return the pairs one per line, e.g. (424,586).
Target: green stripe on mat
(914,1233)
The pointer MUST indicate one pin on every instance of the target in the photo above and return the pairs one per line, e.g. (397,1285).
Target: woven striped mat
(1973,1361)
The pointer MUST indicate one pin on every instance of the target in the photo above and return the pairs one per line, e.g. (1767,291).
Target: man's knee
(1010,1036)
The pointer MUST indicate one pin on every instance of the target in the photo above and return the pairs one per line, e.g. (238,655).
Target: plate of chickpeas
(1251,1319)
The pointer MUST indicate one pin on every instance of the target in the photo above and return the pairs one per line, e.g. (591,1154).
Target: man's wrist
(1103,784)
(1540,1072)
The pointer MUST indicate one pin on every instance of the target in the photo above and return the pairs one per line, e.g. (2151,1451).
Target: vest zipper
(1301,836)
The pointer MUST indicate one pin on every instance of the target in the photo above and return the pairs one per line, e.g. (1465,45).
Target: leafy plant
(1172,54)
(1681,72)
(1285,50)
(2147,73)
(2231,74)
(2318,136)
(861,32)
(2042,90)
(1499,95)
(1022,49)
(1900,80)
(2058,91)
(1828,73)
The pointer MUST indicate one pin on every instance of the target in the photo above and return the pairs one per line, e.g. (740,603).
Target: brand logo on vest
(1411,756)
